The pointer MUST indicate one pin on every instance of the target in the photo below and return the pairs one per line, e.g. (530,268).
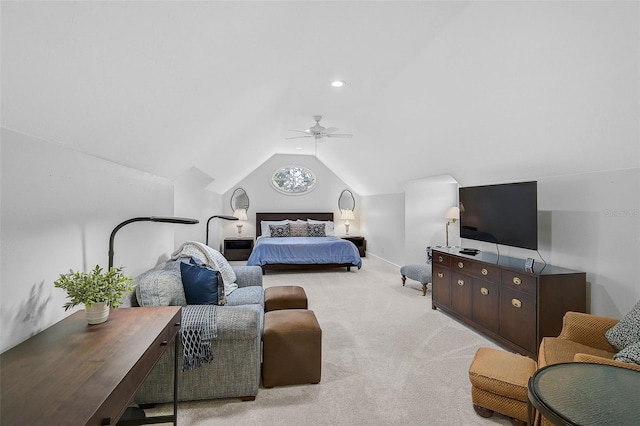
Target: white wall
(194,201)
(592,223)
(383,225)
(426,201)
(264,198)
(58,209)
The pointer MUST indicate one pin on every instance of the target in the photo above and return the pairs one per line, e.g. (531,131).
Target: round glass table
(579,393)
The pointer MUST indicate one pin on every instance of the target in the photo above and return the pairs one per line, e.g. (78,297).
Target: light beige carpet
(388,359)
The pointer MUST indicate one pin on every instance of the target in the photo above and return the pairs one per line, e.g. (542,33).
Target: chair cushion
(554,351)
(246,296)
(420,272)
(627,331)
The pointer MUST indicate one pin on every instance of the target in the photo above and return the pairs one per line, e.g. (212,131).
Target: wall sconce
(346,215)
(183,220)
(219,216)
(241,215)
(451,215)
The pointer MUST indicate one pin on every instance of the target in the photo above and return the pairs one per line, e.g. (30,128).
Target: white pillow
(264,225)
(328,226)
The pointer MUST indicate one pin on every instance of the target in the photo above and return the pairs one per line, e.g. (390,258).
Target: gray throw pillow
(299,229)
(627,331)
(161,287)
(629,354)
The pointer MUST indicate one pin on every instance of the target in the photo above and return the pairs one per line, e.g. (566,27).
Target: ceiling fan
(318,132)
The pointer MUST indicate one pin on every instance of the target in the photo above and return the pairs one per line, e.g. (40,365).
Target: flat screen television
(504,214)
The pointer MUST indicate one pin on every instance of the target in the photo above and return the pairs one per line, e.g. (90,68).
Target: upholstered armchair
(582,339)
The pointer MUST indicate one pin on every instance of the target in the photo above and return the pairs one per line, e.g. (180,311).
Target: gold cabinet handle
(460,265)
(484,291)
(516,303)
(440,275)
(440,259)
(517,281)
(460,282)
(484,271)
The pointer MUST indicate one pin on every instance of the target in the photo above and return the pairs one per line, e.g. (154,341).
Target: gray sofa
(235,370)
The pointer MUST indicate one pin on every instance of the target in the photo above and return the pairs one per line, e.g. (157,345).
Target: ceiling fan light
(337,83)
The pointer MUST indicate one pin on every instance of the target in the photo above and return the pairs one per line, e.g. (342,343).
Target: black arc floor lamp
(219,216)
(184,220)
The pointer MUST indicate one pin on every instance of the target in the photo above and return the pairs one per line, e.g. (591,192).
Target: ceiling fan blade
(331,130)
(339,135)
(299,131)
(300,137)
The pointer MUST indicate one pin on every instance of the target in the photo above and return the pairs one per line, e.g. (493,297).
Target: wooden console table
(79,374)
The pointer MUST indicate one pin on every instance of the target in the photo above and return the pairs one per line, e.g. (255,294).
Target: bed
(298,252)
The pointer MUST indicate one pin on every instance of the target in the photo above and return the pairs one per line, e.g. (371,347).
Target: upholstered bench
(499,383)
(419,272)
(284,297)
(292,348)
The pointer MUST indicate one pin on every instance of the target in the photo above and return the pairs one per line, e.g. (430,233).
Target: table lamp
(241,215)
(346,215)
(451,215)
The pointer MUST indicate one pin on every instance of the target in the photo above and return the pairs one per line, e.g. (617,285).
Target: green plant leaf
(94,286)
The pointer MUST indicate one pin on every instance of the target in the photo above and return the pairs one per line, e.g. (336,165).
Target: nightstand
(237,248)
(360,243)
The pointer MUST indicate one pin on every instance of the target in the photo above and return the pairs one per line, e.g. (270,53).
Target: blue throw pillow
(200,284)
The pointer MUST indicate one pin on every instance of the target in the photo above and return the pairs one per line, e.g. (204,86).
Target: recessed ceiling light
(337,83)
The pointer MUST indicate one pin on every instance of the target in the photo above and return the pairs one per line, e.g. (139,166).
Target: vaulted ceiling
(485,91)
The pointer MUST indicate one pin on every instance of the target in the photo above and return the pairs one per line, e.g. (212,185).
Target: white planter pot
(98,313)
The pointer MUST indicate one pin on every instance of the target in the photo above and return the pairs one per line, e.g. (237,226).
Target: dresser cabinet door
(441,292)
(518,318)
(461,288)
(486,304)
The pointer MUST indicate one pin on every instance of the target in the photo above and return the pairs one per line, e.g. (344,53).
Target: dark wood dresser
(500,299)
(78,374)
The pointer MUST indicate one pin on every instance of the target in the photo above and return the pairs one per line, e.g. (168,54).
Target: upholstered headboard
(291,216)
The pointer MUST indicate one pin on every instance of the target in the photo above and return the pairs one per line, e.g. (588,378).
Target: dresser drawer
(519,281)
(477,269)
(440,285)
(518,318)
(441,259)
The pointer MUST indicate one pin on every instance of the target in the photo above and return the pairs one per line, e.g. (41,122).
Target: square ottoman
(292,348)
(499,383)
(284,297)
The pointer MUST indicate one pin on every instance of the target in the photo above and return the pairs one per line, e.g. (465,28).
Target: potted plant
(97,290)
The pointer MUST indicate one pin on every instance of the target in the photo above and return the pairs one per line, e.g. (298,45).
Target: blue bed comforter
(304,251)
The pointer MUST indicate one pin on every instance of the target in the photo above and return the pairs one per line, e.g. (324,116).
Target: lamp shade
(452,214)
(241,214)
(347,215)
